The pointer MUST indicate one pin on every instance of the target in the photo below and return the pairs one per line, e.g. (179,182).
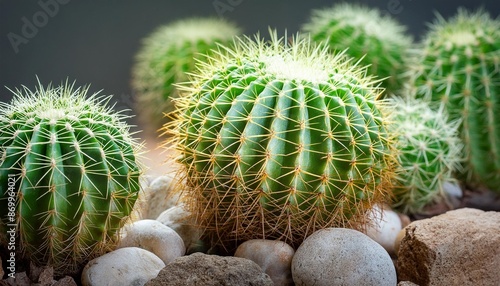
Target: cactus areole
(69,164)
(278,140)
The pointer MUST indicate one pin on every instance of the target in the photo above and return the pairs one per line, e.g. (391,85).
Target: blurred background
(94,42)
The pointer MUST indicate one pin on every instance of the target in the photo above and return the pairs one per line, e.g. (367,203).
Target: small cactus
(75,171)
(459,67)
(375,40)
(278,140)
(430,153)
(165,58)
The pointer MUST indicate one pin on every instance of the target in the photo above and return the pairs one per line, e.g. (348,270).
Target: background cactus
(166,56)
(376,40)
(278,140)
(459,67)
(76,174)
(430,152)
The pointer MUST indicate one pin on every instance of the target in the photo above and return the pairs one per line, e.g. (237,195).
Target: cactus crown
(376,40)
(465,29)
(75,166)
(165,58)
(278,139)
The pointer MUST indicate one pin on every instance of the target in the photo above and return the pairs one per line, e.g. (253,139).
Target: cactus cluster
(165,58)
(429,153)
(459,68)
(372,38)
(76,174)
(280,139)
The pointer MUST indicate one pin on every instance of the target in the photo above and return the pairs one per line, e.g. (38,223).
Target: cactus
(73,162)
(430,152)
(278,140)
(375,40)
(459,67)
(166,56)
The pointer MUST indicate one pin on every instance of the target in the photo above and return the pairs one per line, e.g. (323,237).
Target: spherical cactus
(68,175)
(376,40)
(165,58)
(459,67)
(430,152)
(278,140)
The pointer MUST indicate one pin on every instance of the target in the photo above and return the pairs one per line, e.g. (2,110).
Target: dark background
(94,42)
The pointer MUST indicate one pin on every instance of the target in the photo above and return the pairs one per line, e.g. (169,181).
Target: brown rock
(406,283)
(43,275)
(459,247)
(65,281)
(22,279)
(1,270)
(202,269)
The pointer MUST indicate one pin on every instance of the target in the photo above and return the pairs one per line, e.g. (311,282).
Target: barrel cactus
(70,164)
(430,153)
(459,67)
(166,56)
(376,40)
(278,139)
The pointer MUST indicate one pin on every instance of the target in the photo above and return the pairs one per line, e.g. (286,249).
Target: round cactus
(430,153)
(459,67)
(70,164)
(278,140)
(166,56)
(375,40)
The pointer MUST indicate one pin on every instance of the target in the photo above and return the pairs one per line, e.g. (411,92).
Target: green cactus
(459,67)
(430,153)
(76,176)
(278,140)
(375,40)
(165,58)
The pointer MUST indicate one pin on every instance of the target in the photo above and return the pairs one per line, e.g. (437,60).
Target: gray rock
(459,247)
(340,256)
(125,266)
(273,256)
(153,236)
(211,270)
(407,283)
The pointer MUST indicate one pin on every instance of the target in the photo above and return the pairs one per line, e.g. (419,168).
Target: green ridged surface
(430,153)
(459,66)
(270,151)
(76,174)
(372,38)
(165,58)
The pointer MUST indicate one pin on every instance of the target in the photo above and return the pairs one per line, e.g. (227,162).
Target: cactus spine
(165,58)
(376,40)
(430,152)
(459,67)
(75,171)
(277,140)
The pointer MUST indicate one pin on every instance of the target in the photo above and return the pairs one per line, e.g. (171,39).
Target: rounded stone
(156,197)
(273,256)
(153,236)
(384,227)
(340,256)
(124,266)
(180,220)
